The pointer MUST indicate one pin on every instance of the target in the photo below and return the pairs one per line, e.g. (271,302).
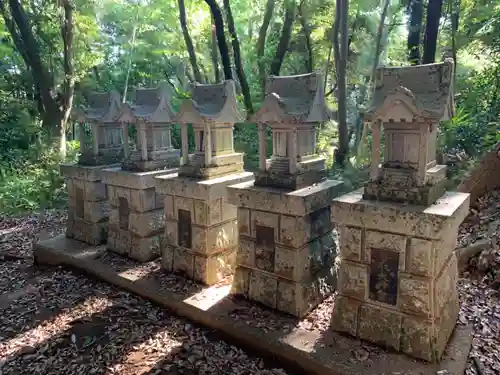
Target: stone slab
(300,351)
(133,180)
(84,172)
(421,221)
(199,189)
(297,202)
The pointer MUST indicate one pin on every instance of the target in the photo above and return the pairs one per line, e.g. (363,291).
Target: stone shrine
(397,268)
(287,246)
(201,231)
(88,206)
(136,221)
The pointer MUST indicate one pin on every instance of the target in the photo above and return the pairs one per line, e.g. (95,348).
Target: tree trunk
(286,35)
(67,25)
(41,76)
(131,54)
(237,59)
(431,30)
(343,147)
(214,53)
(455,19)
(261,44)
(415,31)
(188,41)
(307,35)
(221,38)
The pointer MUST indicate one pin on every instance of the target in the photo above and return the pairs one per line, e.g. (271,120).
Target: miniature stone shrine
(397,268)
(201,230)
(88,206)
(287,246)
(136,222)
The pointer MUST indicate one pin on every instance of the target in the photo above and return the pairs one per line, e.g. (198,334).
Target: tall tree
(221,37)
(237,58)
(188,41)
(306,30)
(261,44)
(215,53)
(343,146)
(54,106)
(286,36)
(416,9)
(434,9)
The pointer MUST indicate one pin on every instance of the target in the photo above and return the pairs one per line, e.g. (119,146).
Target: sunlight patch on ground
(49,329)
(209,297)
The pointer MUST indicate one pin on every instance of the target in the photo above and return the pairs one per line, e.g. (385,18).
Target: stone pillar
(375,150)
(208,145)
(95,139)
(262,147)
(185,144)
(81,137)
(126,149)
(292,157)
(143,141)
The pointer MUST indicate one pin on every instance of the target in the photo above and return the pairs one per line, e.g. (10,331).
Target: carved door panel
(79,202)
(384,266)
(264,248)
(184,228)
(123,213)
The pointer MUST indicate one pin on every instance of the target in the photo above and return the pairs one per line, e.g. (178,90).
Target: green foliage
(34,184)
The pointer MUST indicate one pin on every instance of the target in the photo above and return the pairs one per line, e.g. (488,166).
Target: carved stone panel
(264,248)
(185,230)
(80,207)
(123,213)
(384,276)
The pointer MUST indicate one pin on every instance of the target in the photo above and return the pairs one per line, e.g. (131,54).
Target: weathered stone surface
(201,231)
(285,261)
(137,218)
(379,325)
(91,233)
(298,202)
(400,292)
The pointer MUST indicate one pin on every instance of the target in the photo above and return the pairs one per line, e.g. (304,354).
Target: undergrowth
(34,182)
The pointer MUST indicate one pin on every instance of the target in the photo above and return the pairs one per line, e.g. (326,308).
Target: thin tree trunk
(307,35)
(67,25)
(188,41)
(215,53)
(221,38)
(237,58)
(343,149)
(131,54)
(261,43)
(455,19)
(431,30)
(415,31)
(286,35)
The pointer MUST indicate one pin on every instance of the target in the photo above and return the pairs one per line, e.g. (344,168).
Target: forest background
(53,53)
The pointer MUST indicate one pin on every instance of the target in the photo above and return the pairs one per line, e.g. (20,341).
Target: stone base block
(105,157)
(398,272)
(289,181)
(210,172)
(143,249)
(295,298)
(91,233)
(157,160)
(206,269)
(201,231)
(425,195)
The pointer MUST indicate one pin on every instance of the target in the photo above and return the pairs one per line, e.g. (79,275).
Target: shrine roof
(149,105)
(293,99)
(102,107)
(426,89)
(211,103)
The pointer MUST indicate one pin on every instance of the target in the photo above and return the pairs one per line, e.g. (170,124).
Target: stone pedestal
(88,206)
(201,233)
(136,221)
(287,246)
(398,272)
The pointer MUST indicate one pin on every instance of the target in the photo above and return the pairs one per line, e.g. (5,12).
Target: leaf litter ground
(56,321)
